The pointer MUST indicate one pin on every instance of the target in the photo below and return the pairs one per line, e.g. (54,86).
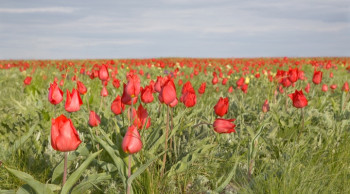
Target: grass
(199,160)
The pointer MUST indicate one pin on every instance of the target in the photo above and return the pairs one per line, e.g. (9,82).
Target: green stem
(166,142)
(65,168)
(129,173)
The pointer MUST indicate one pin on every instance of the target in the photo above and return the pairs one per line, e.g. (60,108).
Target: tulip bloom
(345,87)
(221,107)
(168,93)
(240,82)
(81,88)
(307,88)
(147,94)
(266,106)
(224,81)
(230,89)
(293,75)
(141,118)
(27,80)
(117,106)
(317,78)
(333,86)
(55,94)
(104,91)
(132,141)
(215,79)
(133,86)
(201,89)
(64,137)
(116,83)
(126,98)
(73,101)
(324,88)
(224,125)
(298,98)
(103,74)
(94,119)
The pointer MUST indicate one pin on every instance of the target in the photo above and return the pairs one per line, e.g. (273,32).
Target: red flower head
(27,80)
(221,107)
(64,137)
(159,83)
(73,101)
(215,79)
(94,119)
(345,87)
(81,88)
(201,89)
(224,125)
(103,73)
(266,106)
(132,141)
(333,86)
(331,75)
(133,86)
(168,93)
(317,78)
(55,94)
(117,106)
(244,88)
(293,75)
(147,94)
(307,88)
(240,82)
(324,88)
(116,83)
(230,89)
(142,120)
(224,81)
(298,98)
(126,98)
(104,91)
(189,99)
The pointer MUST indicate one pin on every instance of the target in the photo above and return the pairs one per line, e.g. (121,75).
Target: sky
(82,29)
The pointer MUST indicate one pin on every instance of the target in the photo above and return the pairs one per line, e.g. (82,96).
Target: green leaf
(91,181)
(7,191)
(23,139)
(229,177)
(143,168)
(36,185)
(76,174)
(118,162)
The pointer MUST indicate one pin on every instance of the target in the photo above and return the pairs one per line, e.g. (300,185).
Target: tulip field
(175,125)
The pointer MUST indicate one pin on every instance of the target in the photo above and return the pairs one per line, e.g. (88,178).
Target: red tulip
(27,80)
(240,82)
(133,85)
(116,83)
(201,89)
(168,92)
(307,88)
(331,75)
(147,94)
(117,106)
(126,98)
(174,103)
(224,125)
(230,89)
(64,137)
(159,83)
(333,86)
(94,119)
(317,78)
(104,91)
(266,106)
(142,120)
(81,88)
(298,98)
(345,87)
(257,75)
(73,101)
(224,81)
(55,94)
(103,73)
(189,99)
(221,107)
(215,79)
(293,75)
(244,88)
(324,88)
(132,141)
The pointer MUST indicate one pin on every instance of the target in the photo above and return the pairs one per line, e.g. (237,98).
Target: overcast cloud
(173,28)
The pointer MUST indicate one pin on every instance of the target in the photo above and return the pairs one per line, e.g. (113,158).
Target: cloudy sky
(173,28)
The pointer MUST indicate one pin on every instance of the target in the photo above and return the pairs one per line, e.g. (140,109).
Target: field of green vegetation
(280,148)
